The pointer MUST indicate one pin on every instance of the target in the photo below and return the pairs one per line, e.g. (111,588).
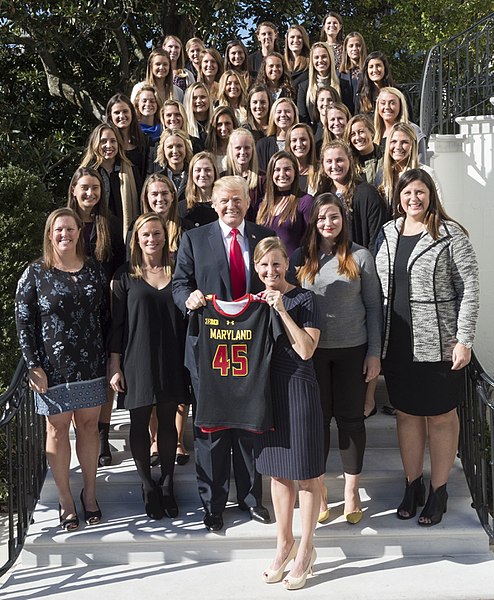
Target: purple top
(292,233)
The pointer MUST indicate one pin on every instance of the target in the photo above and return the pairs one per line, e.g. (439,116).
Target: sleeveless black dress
(416,388)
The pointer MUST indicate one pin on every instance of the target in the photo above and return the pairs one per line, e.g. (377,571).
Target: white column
(464,165)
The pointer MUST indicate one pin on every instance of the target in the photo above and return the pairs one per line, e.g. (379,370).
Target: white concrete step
(339,578)
(382,557)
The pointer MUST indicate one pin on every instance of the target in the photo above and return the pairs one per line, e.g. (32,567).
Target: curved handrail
(9,400)
(24,463)
(476,446)
(458,78)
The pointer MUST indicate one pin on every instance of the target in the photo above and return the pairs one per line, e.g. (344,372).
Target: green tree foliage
(61,61)
(24,206)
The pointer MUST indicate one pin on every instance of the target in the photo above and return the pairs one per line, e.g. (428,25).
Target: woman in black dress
(147,356)
(294,450)
(61,312)
(103,242)
(430,285)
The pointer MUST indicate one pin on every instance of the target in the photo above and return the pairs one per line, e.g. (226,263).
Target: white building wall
(464,165)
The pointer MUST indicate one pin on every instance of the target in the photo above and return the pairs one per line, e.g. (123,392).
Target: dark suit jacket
(202,263)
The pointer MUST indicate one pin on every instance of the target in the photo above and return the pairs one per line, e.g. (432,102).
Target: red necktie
(237,267)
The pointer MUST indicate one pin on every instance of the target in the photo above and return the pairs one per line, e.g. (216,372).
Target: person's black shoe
(168,502)
(213,521)
(152,503)
(257,513)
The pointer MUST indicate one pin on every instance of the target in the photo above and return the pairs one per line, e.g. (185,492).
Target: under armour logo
(230,322)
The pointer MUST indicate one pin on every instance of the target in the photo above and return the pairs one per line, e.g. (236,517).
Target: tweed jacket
(443,284)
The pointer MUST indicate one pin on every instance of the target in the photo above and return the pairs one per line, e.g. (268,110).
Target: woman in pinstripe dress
(294,450)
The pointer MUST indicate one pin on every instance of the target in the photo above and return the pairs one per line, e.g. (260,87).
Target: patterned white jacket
(443,284)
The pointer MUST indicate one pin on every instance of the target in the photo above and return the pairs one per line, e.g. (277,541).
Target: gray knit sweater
(443,281)
(351,310)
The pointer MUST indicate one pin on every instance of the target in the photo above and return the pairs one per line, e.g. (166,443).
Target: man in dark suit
(204,267)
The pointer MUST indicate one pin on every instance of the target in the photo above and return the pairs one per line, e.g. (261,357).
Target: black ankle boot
(435,506)
(105,458)
(414,496)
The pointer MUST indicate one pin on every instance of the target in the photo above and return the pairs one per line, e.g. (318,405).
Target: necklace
(153,269)
(286,288)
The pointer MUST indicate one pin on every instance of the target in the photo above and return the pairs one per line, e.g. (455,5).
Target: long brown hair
(192,193)
(173,223)
(100,213)
(311,156)
(298,63)
(266,213)
(352,179)
(150,78)
(435,214)
(312,241)
(92,155)
(48,250)
(346,62)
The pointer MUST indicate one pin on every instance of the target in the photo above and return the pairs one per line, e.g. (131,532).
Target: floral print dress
(61,320)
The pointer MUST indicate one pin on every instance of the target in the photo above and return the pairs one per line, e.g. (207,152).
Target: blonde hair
(232,167)
(272,128)
(192,125)
(222,98)
(135,262)
(231,183)
(268,245)
(48,249)
(402,115)
(179,106)
(388,181)
(160,153)
(335,81)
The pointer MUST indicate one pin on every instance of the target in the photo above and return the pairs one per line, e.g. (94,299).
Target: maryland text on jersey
(232,353)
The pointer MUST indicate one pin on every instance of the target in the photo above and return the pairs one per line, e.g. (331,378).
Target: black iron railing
(477,442)
(23,463)
(458,79)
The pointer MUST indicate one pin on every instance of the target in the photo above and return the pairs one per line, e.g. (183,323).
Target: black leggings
(342,386)
(140,442)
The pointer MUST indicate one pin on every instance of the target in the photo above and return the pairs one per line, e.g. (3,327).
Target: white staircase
(130,556)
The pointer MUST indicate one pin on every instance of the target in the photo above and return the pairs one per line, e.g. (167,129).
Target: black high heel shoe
(68,523)
(153,503)
(91,517)
(435,507)
(105,456)
(414,496)
(168,502)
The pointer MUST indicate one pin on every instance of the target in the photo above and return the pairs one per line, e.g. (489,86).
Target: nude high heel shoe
(273,576)
(296,583)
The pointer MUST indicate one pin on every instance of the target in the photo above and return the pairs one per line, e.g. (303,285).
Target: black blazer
(202,263)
